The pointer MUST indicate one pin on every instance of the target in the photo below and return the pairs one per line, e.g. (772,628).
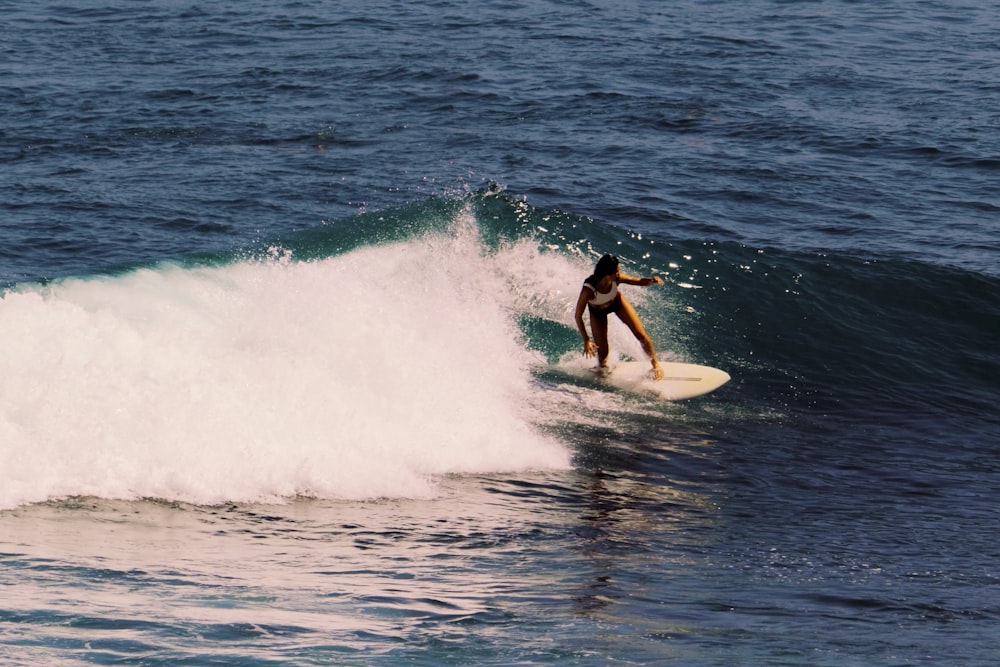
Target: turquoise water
(289,309)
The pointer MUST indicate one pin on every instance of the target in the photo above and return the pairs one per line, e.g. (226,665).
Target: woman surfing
(601,296)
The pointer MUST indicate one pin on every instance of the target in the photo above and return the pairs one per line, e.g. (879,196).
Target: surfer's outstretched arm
(641,282)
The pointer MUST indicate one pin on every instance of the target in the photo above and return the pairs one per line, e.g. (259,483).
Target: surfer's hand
(588,348)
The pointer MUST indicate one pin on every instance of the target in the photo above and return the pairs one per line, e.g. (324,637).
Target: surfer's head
(606,266)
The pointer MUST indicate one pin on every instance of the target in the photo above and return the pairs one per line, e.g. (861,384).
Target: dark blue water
(288,307)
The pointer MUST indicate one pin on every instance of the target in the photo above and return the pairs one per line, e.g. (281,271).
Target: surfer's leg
(626,313)
(599,328)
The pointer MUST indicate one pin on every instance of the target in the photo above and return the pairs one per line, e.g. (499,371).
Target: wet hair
(606,266)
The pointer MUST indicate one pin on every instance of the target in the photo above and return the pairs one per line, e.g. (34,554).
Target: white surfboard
(679,380)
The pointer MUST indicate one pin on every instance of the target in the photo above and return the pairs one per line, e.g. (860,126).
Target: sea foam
(361,375)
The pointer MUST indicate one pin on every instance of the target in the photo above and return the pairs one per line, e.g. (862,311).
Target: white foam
(358,376)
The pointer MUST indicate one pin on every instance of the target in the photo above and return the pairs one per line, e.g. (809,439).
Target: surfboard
(680,381)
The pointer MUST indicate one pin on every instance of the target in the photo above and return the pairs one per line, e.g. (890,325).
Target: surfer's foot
(656,372)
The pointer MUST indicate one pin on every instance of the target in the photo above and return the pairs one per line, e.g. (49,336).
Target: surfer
(601,296)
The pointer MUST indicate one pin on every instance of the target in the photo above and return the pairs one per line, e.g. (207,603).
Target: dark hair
(606,266)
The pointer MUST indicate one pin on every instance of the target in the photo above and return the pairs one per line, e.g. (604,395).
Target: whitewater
(357,376)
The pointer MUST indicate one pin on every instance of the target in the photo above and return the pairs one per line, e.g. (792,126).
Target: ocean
(287,295)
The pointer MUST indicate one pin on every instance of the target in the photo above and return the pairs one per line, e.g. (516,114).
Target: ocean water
(287,303)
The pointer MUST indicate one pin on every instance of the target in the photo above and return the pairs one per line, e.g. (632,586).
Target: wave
(367,356)
(362,374)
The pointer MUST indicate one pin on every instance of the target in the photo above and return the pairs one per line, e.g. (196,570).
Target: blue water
(288,298)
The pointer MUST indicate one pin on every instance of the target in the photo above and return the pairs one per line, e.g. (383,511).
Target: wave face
(367,356)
